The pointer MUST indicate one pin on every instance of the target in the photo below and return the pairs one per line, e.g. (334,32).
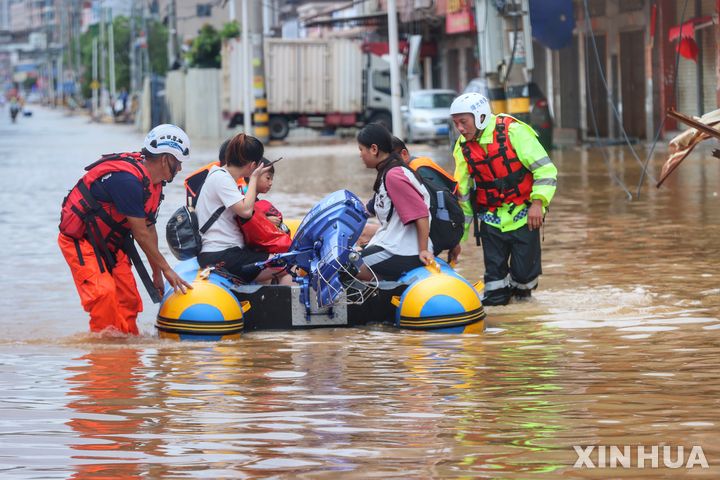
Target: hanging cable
(664,116)
(589,30)
(593,116)
(512,54)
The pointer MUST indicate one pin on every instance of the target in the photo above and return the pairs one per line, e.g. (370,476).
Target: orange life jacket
(83,216)
(421,164)
(195,181)
(499,175)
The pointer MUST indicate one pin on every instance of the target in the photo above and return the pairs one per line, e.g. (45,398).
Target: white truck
(315,83)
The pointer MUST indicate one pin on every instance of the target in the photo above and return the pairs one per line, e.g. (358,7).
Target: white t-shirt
(219,189)
(394,236)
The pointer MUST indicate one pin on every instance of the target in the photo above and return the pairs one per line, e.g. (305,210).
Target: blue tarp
(552,22)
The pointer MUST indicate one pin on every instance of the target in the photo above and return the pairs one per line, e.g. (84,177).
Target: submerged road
(619,345)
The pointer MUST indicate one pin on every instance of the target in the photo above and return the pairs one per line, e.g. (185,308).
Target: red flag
(688,48)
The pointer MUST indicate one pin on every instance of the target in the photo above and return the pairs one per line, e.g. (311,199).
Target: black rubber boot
(522,295)
(497,297)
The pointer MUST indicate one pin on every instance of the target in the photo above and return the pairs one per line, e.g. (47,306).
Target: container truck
(315,83)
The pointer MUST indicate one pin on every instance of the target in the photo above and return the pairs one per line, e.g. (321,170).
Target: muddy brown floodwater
(618,347)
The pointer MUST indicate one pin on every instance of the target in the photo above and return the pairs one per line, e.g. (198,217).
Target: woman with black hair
(223,242)
(401,204)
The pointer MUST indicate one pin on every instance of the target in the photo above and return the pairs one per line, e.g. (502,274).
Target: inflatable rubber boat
(323,261)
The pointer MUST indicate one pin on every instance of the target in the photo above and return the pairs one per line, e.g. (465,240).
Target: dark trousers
(238,261)
(512,263)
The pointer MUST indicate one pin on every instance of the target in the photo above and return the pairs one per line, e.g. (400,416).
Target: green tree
(86,48)
(230,30)
(205,50)
(156,43)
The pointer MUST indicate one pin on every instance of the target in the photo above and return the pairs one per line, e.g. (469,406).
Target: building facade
(616,77)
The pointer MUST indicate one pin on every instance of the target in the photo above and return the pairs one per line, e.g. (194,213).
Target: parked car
(426,115)
(539,117)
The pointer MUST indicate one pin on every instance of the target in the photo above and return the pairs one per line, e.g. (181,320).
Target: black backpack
(448,219)
(183,234)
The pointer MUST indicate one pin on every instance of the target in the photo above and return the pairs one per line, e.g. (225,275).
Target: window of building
(631,5)
(596,8)
(204,10)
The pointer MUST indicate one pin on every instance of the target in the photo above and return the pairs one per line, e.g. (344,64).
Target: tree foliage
(156,44)
(205,50)
(230,30)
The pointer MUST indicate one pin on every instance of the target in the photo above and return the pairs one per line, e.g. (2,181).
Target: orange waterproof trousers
(111,299)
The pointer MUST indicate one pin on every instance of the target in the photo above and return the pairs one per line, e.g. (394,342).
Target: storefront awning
(368,19)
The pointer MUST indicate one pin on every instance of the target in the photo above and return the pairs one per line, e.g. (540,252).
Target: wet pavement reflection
(619,346)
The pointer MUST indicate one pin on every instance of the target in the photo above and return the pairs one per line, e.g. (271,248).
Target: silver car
(426,115)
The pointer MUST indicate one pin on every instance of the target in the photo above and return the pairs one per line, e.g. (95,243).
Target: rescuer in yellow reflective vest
(505,181)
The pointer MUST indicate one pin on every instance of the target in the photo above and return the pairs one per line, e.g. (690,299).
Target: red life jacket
(499,175)
(267,209)
(82,216)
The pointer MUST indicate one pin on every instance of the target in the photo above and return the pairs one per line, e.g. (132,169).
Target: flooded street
(619,346)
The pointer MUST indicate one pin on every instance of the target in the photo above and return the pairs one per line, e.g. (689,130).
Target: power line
(588,27)
(664,117)
(593,116)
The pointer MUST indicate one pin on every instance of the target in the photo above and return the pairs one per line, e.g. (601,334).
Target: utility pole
(103,61)
(133,61)
(60,67)
(248,69)
(172,32)
(95,78)
(267,17)
(395,91)
(78,58)
(111,41)
(257,67)
(49,57)
(147,68)
(231,7)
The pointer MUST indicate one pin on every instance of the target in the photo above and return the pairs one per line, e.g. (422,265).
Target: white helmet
(473,103)
(167,138)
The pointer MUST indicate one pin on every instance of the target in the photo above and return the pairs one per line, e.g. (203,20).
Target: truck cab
(376,90)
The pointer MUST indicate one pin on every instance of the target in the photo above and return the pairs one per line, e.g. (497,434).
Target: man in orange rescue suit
(115,202)
(506,181)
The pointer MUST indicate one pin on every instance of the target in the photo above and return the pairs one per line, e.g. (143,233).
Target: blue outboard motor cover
(325,239)
(341,207)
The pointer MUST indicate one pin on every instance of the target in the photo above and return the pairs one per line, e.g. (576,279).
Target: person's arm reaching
(146,237)
(534,157)
(411,208)
(156,271)
(423,233)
